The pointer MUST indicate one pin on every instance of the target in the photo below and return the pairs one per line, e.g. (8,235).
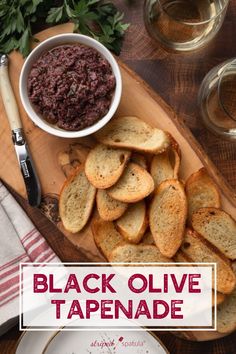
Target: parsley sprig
(96,18)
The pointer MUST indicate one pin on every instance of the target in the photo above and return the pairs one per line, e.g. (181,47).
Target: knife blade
(26,164)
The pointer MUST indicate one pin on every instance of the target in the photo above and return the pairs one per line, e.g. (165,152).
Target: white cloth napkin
(20,241)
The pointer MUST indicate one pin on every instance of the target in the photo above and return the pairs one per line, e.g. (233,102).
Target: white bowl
(49,44)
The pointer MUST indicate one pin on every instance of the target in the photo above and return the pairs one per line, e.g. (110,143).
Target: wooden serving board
(48,151)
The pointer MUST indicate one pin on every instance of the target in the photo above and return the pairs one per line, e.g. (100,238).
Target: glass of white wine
(217,100)
(184,25)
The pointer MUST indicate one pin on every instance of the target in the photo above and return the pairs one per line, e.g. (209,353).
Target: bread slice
(134,185)
(201,192)
(226,313)
(105,165)
(132,225)
(109,209)
(198,251)
(218,228)
(133,133)
(165,166)
(139,159)
(148,239)
(76,201)
(137,254)
(180,257)
(167,216)
(105,236)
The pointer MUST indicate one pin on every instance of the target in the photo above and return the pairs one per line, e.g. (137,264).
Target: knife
(28,171)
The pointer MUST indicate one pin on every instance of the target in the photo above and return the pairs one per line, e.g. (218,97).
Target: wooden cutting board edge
(225,188)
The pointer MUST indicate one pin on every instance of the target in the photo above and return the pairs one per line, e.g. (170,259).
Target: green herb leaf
(96,18)
(70,12)
(92,2)
(55,15)
(31,8)
(24,47)
(9,45)
(19,21)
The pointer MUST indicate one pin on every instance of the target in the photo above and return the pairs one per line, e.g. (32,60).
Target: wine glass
(184,25)
(217,100)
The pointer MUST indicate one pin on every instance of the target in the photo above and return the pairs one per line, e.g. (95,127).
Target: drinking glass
(217,100)
(184,25)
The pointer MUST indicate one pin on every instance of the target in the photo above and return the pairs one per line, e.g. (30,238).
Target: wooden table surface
(176,77)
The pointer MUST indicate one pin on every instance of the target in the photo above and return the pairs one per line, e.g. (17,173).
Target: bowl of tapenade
(70,85)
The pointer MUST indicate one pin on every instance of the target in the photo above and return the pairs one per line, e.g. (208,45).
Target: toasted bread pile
(146,213)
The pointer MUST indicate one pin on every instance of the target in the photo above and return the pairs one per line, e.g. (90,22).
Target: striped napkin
(20,241)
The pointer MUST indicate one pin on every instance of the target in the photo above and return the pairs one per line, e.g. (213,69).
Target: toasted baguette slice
(148,239)
(198,251)
(226,313)
(105,165)
(139,160)
(137,254)
(109,209)
(218,228)
(180,257)
(167,216)
(133,133)
(201,192)
(134,185)
(76,201)
(165,166)
(105,236)
(132,225)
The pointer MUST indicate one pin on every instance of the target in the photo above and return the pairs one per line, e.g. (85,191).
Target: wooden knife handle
(8,96)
